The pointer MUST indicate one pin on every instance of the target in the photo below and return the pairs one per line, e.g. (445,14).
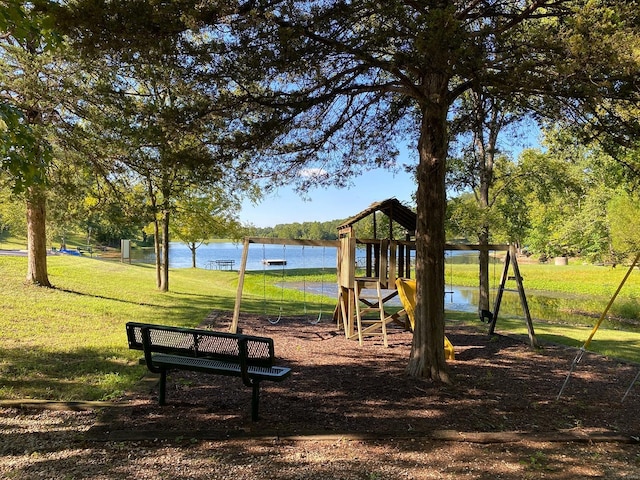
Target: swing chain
(314,320)
(284,262)
(311,319)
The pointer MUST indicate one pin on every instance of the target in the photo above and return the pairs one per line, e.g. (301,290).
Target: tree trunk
(157,249)
(486,148)
(156,232)
(483,242)
(427,351)
(486,174)
(486,153)
(164,285)
(36,237)
(193,248)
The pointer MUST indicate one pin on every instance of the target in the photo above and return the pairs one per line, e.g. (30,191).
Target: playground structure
(388,260)
(361,294)
(365,285)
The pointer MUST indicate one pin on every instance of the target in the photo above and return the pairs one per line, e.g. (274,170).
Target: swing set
(282,262)
(365,287)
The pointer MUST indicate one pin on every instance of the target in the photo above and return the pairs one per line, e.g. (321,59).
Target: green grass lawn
(588,289)
(572,279)
(69,342)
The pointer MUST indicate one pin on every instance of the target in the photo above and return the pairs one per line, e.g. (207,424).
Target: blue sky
(286,206)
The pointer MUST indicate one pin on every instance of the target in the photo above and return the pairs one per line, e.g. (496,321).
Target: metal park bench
(174,348)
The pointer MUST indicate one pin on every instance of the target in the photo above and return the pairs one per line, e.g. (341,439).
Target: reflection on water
(548,306)
(460,299)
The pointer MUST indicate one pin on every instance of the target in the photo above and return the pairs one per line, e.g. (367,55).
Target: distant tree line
(328,230)
(305,230)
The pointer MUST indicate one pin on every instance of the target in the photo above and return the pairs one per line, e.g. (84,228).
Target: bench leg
(162,387)
(255,400)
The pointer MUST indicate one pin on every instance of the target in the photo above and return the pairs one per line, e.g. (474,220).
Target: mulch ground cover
(348,412)
(503,388)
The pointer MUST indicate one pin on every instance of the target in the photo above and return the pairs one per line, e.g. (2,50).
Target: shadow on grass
(81,374)
(102,297)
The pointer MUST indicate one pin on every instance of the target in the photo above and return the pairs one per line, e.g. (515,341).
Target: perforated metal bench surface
(219,367)
(167,348)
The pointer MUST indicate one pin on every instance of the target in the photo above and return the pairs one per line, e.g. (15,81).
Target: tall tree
(167,134)
(162,104)
(28,112)
(481,120)
(567,188)
(346,80)
(354,76)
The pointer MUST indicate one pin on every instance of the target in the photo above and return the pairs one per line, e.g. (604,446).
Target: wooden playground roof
(392,208)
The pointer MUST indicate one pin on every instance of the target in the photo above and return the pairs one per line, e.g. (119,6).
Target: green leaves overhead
(22,155)
(27,41)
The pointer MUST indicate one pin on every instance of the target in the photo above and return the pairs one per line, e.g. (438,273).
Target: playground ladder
(372,303)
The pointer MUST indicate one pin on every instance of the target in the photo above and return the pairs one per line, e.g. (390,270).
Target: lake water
(295,256)
(548,306)
(457,298)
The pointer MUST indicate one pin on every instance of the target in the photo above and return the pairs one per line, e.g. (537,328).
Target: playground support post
(580,353)
(511,259)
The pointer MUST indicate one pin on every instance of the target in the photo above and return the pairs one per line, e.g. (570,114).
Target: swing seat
(407,294)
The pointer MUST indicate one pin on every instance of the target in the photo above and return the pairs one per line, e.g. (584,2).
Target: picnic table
(223,264)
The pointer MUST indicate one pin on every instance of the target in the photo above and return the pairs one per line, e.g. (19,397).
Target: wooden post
(498,300)
(391,277)
(376,260)
(383,262)
(523,299)
(401,267)
(243,267)
(368,260)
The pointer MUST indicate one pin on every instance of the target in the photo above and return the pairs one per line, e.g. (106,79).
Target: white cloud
(313,173)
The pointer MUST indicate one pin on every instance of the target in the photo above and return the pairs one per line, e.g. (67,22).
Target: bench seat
(219,367)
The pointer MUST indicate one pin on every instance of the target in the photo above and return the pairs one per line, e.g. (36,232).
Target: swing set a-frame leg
(511,259)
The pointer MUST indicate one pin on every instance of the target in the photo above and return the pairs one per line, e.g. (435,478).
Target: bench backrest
(201,343)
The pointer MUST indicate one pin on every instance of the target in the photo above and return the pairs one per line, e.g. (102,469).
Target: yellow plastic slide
(407,294)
